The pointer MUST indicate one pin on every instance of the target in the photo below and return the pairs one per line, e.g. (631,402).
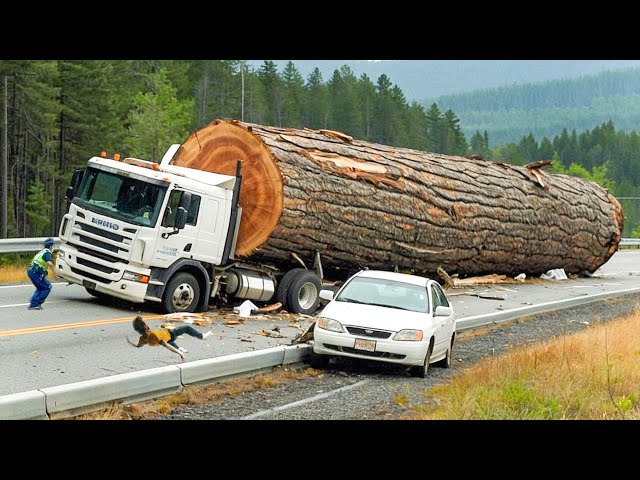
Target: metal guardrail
(629,242)
(32,245)
(25,245)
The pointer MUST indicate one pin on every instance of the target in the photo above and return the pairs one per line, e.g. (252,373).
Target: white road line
(302,402)
(25,304)
(28,285)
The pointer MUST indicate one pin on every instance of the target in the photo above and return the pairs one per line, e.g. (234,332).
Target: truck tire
(303,295)
(181,294)
(285,283)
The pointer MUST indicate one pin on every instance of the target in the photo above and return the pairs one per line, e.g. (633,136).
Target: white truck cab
(147,232)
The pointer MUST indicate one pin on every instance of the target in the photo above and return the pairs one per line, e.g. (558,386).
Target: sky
(425,79)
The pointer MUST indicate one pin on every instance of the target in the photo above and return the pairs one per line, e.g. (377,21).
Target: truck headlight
(135,277)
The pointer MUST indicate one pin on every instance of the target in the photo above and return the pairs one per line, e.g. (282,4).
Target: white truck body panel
(99,246)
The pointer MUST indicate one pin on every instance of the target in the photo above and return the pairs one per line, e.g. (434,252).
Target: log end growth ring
(217,148)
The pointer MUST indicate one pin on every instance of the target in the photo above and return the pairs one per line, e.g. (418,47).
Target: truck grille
(90,275)
(96,266)
(102,253)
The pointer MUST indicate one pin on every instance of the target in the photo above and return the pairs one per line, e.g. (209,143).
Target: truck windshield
(125,198)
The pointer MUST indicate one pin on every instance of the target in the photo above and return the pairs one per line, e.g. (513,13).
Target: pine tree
(38,210)
(158,120)
(316,112)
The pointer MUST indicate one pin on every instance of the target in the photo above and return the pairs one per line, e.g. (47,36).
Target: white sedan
(387,317)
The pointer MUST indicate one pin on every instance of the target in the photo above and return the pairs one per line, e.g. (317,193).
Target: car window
(439,298)
(386,293)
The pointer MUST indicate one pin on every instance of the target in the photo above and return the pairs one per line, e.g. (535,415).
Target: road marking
(2,287)
(302,402)
(25,304)
(66,326)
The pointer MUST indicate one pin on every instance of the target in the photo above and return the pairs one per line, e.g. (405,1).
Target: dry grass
(591,375)
(13,268)
(199,395)
(15,273)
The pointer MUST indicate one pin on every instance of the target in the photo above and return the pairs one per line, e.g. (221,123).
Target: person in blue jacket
(37,271)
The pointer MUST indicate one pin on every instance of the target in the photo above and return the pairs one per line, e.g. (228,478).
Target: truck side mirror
(183,210)
(181,214)
(181,218)
(72,189)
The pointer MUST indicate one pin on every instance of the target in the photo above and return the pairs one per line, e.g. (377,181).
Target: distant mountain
(544,109)
(424,79)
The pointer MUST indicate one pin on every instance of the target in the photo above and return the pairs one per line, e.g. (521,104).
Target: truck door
(172,245)
(212,231)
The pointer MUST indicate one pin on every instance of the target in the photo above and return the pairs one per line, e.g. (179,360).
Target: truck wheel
(285,283)
(181,294)
(303,295)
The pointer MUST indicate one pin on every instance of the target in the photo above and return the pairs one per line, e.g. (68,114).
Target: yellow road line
(65,326)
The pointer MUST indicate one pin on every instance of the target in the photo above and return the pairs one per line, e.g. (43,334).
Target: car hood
(371,316)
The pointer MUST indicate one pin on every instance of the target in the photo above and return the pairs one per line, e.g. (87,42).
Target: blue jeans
(43,286)
(188,329)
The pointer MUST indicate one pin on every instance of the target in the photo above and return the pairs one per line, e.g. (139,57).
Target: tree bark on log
(362,204)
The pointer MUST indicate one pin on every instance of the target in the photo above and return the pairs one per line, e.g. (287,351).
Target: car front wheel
(318,361)
(421,372)
(446,361)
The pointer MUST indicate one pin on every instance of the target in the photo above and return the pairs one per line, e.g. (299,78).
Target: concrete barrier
(231,366)
(24,406)
(296,353)
(82,397)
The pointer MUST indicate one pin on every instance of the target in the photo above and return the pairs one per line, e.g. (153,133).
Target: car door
(443,325)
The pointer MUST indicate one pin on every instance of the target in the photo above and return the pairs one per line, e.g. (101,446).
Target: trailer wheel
(285,283)
(304,293)
(181,294)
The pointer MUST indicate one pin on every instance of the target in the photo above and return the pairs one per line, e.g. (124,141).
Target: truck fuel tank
(250,285)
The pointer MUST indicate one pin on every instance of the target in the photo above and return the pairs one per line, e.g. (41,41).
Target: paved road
(77,337)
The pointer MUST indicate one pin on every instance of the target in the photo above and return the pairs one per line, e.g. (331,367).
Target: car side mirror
(442,311)
(326,295)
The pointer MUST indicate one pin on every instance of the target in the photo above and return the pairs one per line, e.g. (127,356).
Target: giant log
(367,205)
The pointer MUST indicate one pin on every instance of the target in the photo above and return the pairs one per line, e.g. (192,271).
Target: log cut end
(217,148)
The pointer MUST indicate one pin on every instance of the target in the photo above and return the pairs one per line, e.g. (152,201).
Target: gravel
(365,391)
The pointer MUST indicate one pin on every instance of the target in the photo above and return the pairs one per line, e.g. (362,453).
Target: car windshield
(385,293)
(125,198)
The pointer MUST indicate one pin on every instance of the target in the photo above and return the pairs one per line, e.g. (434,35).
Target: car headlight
(135,277)
(329,324)
(60,254)
(408,336)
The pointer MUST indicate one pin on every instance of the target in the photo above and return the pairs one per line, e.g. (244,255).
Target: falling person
(164,337)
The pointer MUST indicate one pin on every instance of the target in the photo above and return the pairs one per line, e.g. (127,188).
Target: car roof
(399,277)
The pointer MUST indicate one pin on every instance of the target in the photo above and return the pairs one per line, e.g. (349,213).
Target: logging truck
(142,232)
(242,211)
